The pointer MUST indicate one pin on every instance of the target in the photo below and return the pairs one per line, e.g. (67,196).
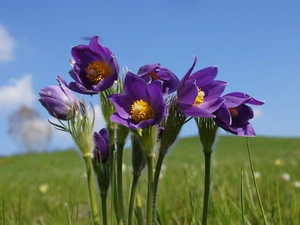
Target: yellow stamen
(97,70)
(141,110)
(199,98)
(233,112)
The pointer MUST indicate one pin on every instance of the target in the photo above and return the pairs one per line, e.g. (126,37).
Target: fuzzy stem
(159,163)
(104,207)
(120,148)
(150,214)
(134,184)
(207,179)
(255,184)
(91,188)
(139,211)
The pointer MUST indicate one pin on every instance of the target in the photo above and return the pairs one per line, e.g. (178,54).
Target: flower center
(199,98)
(141,110)
(153,75)
(233,112)
(97,70)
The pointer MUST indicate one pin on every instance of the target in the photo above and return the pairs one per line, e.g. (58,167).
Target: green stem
(207,177)
(120,148)
(139,210)
(116,203)
(159,163)
(150,214)
(134,184)
(104,207)
(91,188)
(255,184)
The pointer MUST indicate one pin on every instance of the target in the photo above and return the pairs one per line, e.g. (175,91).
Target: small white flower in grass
(278,162)
(297,184)
(44,188)
(286,177)
(257,174)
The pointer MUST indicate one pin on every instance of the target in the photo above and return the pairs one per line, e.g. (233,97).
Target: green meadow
(50,188)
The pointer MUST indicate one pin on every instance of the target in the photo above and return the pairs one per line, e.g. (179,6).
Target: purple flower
(199,94)
(141,105)
(94,68)
(152,72)
(234,115)
(101,145)
(60,101)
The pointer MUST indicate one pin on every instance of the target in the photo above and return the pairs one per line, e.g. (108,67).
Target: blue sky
(255,44)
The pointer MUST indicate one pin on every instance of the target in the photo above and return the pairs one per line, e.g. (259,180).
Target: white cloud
(257,113)
(17,93)
(7,45)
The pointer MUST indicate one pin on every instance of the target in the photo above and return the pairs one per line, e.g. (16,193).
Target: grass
(180,190)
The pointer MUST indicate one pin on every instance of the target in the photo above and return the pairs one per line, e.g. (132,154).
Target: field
(41,188)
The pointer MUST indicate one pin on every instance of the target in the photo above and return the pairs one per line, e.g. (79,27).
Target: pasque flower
(152,72)
(94,68)
(101,145)
(199,94)
(141,106)
(60,101)
(238,113)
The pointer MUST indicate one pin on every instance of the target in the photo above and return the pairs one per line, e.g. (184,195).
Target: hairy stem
(150,213)
(134,184)
(120,148)
(207,179)
(104,207)
(159,163)
(91,188)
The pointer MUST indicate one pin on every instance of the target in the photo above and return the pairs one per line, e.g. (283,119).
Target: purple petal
(154,94)
(214,90)
(105,83)
(223,118)
(98,49)
(56,108)
(195,111)
(245,113)
(186,76)
(123,104)
(79,88)
(135,86)
(235,99)
(115,117)
(188,92)
(205,76)
(211,106)
(246,131)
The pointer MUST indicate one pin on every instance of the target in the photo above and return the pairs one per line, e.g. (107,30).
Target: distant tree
(28,130)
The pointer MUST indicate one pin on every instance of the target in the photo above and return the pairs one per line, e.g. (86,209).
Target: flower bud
(60,101)
(138,155)
(171,124)
(207,130)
